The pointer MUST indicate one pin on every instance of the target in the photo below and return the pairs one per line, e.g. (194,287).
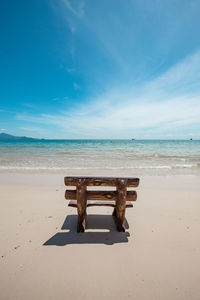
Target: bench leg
(121,205)
(114,212)
(120,220)
(81,226)
(120,217)
(81,206)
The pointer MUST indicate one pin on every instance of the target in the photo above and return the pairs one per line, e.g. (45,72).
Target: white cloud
(160,107)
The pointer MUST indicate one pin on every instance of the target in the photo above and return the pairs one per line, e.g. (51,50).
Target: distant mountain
(5,136)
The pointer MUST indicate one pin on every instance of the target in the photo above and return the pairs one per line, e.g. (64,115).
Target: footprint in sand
(16,247)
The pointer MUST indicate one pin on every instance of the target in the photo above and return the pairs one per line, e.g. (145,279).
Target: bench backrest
(118,182)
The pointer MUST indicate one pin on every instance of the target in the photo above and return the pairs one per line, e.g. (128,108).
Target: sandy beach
(42,256)
(100,89)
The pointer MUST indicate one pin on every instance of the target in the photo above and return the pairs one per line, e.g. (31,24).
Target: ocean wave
(63,153)
(82,166)
(93,168)
(185,166)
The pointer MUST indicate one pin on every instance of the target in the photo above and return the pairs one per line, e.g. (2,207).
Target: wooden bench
(119,198)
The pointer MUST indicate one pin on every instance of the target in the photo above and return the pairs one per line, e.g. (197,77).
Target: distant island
(5,136)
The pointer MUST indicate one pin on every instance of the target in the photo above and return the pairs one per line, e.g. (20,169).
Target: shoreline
(58,179)
(109,172)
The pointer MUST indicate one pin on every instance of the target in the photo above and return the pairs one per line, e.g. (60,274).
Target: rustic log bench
(119,198)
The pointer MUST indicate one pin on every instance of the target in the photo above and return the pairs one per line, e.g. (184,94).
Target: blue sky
(100,69)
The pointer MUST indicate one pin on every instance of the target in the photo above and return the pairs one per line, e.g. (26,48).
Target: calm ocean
(101,157)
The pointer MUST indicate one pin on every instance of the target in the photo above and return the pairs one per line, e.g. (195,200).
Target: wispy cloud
(70,70)
(76,86)
(97,29)
(157,108)
(60,100)
(29,105)
(78,11)
(35,131)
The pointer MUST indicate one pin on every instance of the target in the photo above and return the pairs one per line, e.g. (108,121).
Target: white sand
(157,258)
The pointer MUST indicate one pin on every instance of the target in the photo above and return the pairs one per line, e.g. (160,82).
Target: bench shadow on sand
(94,222)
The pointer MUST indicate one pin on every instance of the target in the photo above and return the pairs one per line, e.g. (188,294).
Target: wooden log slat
(73,203)
(101,195)
(100,181)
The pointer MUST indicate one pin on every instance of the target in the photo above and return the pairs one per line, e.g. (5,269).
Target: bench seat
(73,203)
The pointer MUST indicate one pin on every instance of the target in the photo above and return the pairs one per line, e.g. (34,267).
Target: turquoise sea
(101,157)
